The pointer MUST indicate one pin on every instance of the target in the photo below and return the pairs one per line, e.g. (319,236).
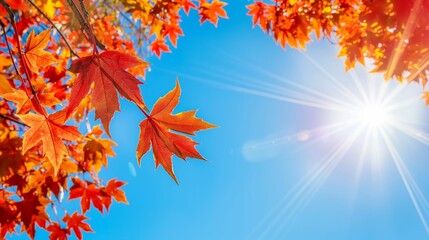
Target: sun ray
(395,92)
(308,178)
(319,105)
(359,86)
(402,104)
(342,89)
(412,132)
(318,177)
(269,87)
(360,164)
(373,106)
(424,64)
(401,169)
(409,27)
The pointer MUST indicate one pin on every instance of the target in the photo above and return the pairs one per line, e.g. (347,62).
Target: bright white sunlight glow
(373,115)
(358,119)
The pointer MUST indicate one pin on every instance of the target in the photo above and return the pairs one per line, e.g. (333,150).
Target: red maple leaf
(155,131)
(159,46)
(56,232)
(112,189)
(76,223)
(89,193)
(107,72)
(212,11)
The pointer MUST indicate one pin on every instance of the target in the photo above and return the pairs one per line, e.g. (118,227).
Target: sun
(373,115)
(359,119)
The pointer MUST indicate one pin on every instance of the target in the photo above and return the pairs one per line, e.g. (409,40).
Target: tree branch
(13,120)
(84,24)
(9,50)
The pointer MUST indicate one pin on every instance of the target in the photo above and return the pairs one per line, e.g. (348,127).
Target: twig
(53,25)
(36,100)
(13,120)
(9,50)
(83,23)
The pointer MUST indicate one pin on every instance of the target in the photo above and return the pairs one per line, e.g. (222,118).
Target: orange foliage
(44,157)
(392,34)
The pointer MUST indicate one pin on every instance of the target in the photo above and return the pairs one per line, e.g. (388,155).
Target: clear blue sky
(255,156)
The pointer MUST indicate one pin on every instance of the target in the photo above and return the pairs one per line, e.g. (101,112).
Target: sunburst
(363,107)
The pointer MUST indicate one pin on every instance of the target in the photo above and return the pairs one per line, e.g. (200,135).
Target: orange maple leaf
(56,232)
(187,5)
(76,222)
(88,192)
(156,131)
(212,11)
(159,46)
(173,31)
(257,10)
(50,131)
(107,72)
(34,55)
(24,102)
(113,190)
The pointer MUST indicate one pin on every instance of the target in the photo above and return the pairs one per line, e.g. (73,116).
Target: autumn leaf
(112,189)
(212,11)
(76,223)
(173,31)
(50,6)
(35,56)
(155,131)
(44,161)
(89,193)
(159,46)
(56,232)
(5,86)
(96,153)
(25,103)
(107,72)
(14,4)
(51,132)
(32,211)
(257,10)
(187,5)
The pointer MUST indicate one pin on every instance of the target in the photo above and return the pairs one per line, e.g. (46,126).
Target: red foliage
(44,156)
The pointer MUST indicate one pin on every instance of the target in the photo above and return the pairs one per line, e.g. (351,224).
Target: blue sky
(260,159)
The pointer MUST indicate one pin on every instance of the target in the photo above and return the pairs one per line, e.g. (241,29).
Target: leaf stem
(144,112)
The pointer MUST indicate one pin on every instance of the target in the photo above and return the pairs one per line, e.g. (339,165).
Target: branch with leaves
(44,157)
(393,35)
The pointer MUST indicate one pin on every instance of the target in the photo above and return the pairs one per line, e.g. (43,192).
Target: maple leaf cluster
(61,60)
(391,34)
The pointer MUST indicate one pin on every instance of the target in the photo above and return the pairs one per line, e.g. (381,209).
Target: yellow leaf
(50,6)
(5,86)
